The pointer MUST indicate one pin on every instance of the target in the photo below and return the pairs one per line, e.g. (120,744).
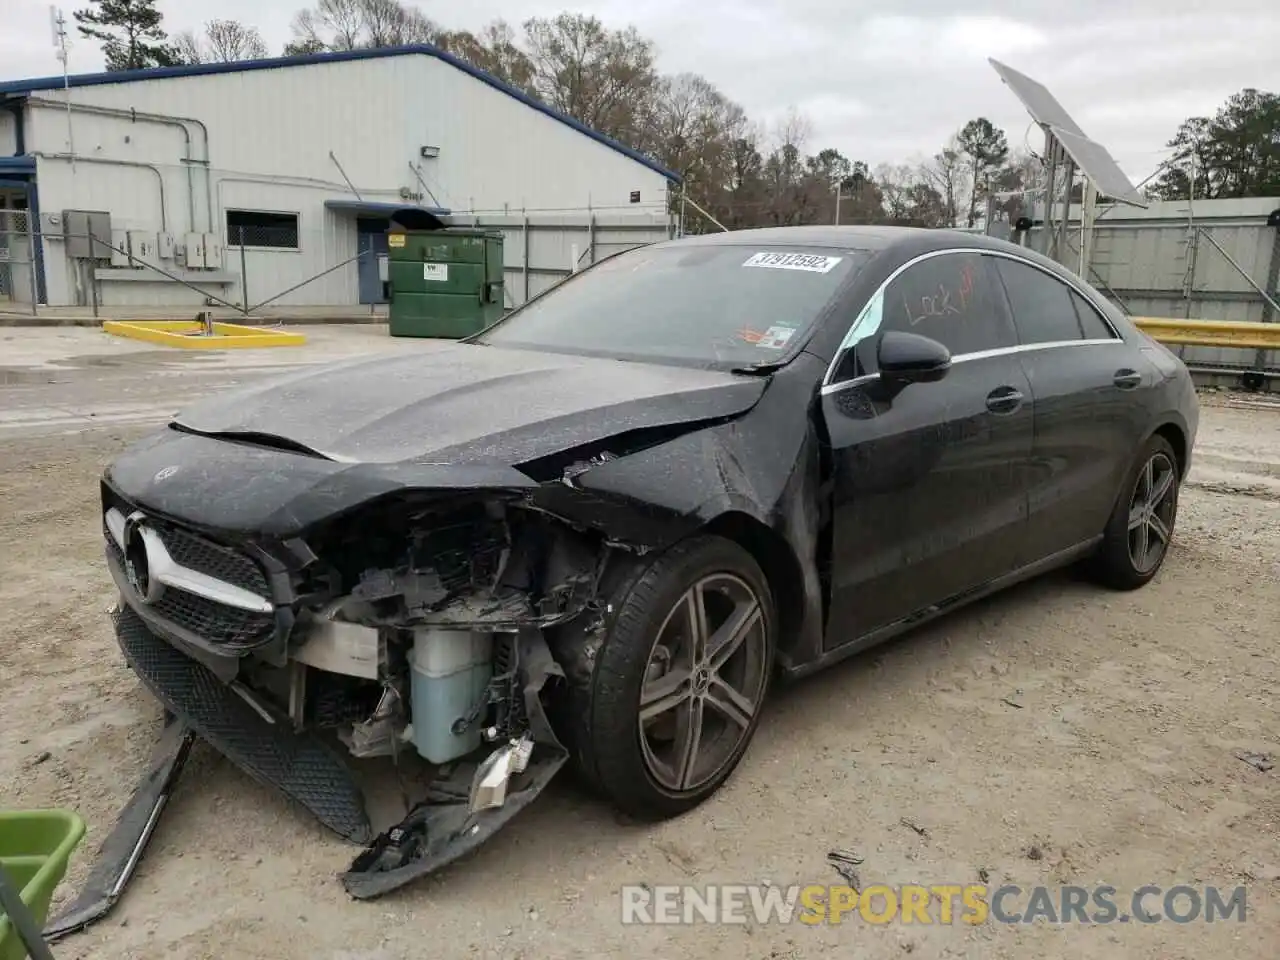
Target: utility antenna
(58,28)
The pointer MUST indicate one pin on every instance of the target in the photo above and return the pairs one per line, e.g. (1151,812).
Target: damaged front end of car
(411,629)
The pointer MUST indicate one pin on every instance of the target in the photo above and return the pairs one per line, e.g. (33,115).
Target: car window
(715,305)
(1043,310)
(1092,326)
(952,299)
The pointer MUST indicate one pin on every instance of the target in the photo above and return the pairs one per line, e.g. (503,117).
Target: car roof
(895,243)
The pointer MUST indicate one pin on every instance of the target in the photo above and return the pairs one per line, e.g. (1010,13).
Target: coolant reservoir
(449,671)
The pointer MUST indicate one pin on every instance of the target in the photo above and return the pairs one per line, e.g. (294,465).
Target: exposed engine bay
(415,631)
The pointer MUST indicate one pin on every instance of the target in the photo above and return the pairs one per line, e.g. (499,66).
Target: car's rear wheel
(675,689)
(1140,529)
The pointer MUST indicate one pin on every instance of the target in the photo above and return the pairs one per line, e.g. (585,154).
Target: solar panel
(1090,157)
(1040,103)
(1099,166)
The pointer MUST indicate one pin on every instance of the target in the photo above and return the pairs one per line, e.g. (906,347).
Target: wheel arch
(779,563)
(1176,434)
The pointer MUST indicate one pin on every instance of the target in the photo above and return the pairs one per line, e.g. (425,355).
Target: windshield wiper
(759,368)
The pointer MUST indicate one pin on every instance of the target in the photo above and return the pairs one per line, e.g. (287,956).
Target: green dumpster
(35,847)
(444,283)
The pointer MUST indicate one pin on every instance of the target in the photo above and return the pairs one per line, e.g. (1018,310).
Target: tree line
(737,172)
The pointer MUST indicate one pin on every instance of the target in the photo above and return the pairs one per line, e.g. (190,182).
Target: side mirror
(911,358)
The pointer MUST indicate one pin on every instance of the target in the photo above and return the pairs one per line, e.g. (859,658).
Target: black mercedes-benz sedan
(594,533)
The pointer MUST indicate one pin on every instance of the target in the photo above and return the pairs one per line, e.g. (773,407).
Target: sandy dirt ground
(1056,734)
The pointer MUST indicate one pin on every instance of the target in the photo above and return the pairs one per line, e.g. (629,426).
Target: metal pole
(1069,169)
(591,235)
(684,198)
(524,259)
(1086,227)
(837,203)
(31,253)
(1050,191)
(244,276)
(92,271)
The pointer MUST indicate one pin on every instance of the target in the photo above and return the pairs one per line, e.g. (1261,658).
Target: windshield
(705,305)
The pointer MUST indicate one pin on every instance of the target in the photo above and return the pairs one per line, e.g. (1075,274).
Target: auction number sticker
(775,338)
(435,271)
(813,263)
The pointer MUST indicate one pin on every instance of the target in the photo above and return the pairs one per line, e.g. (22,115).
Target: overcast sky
(879,86)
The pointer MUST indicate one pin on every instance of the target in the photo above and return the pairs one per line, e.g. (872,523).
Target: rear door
(929,499)
(1088,422)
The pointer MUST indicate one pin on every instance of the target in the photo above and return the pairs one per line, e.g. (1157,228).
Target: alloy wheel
(1151,512)
(704,682)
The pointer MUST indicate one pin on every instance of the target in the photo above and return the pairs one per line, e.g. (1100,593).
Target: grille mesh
(210,620)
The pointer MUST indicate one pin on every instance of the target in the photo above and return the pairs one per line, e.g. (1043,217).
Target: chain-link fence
(19,276)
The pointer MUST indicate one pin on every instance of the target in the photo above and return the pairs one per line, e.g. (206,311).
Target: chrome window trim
(830,388)
(929,255)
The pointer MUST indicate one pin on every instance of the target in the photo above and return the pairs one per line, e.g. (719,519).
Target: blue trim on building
(244,66)
(17,164)
(374,208)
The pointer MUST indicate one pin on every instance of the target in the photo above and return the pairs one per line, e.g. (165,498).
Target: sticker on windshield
(810,262)
(775,338)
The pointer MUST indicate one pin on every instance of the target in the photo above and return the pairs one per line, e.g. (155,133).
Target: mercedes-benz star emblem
(137,566)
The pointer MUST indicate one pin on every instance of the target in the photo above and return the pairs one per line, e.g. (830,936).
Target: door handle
(1127,379)
(1004,400)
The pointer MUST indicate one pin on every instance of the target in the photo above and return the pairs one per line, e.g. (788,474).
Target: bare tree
(946,172)
(604,78)
(359,24)
(493,50)
(223,41)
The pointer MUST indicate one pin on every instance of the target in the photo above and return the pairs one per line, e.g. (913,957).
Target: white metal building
(290,167)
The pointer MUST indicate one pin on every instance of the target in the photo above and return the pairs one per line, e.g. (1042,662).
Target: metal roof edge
(273,63)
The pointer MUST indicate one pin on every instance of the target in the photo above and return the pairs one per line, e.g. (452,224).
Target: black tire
(1115,565)
(602,720)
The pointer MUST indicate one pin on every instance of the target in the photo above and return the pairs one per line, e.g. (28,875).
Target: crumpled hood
(468,402)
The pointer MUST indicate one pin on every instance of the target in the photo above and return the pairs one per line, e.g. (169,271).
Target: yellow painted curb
(190,335)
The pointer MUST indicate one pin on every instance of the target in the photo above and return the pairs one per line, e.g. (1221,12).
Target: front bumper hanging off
(303,767)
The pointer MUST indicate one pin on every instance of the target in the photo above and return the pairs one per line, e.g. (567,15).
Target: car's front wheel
(674,692)
(1140,530)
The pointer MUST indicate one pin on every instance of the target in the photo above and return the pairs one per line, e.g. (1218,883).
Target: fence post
(524,262)
(31,255)
(1273,286)
(244,276)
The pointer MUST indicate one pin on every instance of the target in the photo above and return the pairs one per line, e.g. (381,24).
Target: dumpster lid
(407,215)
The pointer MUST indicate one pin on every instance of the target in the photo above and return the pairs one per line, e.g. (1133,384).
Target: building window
(261,228)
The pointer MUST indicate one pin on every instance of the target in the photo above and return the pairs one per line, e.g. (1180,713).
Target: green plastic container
(35,848)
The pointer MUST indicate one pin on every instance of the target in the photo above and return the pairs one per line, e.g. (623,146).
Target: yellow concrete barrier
(1211,333)
(191,335)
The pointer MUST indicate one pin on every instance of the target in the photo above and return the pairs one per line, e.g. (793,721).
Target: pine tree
(129,31)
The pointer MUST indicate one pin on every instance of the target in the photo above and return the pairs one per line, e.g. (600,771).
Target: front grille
(215,623)
(213,559)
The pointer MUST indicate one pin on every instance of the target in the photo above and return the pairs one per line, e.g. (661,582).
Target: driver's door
(929,495)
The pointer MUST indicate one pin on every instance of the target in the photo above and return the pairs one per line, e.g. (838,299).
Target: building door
(371,244)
